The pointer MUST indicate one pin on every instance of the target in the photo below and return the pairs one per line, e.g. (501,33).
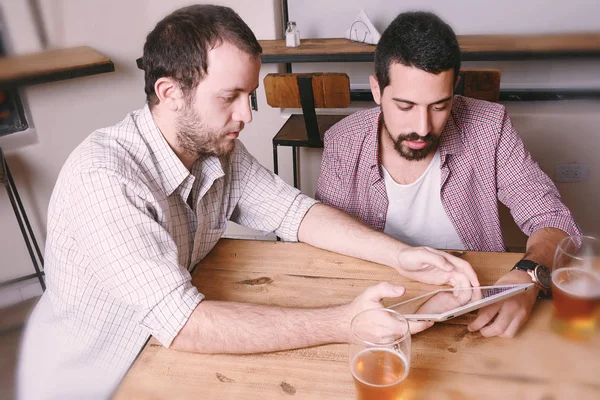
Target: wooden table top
(448,362)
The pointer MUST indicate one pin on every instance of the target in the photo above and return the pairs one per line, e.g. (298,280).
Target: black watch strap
(525,265)
(528,265)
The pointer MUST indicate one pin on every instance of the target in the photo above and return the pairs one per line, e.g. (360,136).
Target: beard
(406,152)
(196,138)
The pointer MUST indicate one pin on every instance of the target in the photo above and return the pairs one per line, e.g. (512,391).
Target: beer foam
(578,282)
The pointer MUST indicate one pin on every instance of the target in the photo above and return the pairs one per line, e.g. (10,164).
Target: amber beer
(378,374)
(576,294)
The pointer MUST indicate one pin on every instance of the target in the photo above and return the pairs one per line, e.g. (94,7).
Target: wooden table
(448,361)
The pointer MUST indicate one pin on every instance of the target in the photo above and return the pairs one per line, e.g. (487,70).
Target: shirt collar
(372,122)
(171,171)
(451,142)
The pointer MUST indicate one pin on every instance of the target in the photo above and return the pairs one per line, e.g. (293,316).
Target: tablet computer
(444,304)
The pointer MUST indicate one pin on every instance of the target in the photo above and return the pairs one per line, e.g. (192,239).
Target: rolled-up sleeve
(266,202)
(131,255)
(533,199)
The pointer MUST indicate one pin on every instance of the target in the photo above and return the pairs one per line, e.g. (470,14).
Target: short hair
(417,39)
(177,47)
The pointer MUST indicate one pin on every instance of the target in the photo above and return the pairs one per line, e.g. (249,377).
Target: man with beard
(428,167)
(139,204)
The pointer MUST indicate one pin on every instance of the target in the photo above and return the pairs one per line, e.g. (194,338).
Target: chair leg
(295,165)
(23,221)
(276,172)
(275,161)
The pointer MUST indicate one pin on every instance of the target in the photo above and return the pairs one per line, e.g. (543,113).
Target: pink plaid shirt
(483,160)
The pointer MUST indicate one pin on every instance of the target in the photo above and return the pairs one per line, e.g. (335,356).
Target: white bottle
(297,35)
(291,37)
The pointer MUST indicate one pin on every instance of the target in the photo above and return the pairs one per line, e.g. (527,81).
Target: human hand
(371,298)
(445,301)
(436,267)
(509,314)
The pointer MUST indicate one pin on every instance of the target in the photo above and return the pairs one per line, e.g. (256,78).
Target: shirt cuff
(563,222)
(169,316)
(288,230)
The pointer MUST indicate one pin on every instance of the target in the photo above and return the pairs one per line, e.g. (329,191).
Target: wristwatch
(540,274)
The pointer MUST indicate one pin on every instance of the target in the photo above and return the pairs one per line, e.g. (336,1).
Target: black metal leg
(295,165)
(23,213)
(275,161)
(275,170)
(23,221)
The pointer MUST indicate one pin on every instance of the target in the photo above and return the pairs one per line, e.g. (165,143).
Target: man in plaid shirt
(428,167)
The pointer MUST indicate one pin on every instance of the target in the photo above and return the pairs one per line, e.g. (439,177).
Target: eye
(405,108)
(229,97)
(440,108)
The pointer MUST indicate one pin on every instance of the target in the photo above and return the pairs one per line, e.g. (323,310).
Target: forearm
(227,327)
(542,244)
(541,247)
(331,229)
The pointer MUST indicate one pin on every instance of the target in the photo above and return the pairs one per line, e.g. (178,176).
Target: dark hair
(417,39)
(177,47)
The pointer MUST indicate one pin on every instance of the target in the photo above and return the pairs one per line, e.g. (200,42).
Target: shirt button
(380,215)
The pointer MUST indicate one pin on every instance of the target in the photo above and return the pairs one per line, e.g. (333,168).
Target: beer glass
(379,354)
(576,287)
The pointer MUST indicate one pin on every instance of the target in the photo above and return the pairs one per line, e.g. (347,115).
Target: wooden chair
(332,90)
(481,84)
(306,91)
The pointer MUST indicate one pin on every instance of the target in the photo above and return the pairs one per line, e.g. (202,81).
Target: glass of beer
(576,287)
(379,354)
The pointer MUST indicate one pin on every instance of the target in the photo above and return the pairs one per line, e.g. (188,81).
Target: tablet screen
(447,303)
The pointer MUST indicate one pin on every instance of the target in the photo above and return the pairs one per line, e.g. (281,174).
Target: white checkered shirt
(121,242)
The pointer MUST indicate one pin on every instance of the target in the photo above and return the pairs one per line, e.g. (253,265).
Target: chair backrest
(329,90)
(481,84)
(320,90)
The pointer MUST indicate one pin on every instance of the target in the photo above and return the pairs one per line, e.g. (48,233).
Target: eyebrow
(239,89)
(396,99)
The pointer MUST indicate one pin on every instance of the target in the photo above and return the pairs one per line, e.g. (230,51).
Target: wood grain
(293,131)
(547,44)
(330,90)
(52,65)
(448,362)
(575,42)
(317,46)
(481,84)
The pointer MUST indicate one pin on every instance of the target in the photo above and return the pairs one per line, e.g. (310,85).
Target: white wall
(65,112)
(330,18)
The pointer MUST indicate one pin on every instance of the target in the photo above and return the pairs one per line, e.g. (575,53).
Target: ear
(169,93)
(375,89)
(456,83)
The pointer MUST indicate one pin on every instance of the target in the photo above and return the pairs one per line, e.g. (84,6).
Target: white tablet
(444,304)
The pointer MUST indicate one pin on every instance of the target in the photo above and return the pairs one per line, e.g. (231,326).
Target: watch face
(543,276)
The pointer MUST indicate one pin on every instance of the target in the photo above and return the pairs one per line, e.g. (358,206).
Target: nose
(243,112)
(424,123)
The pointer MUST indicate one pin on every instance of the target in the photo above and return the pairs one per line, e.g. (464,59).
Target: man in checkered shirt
(429,167)
(139,204)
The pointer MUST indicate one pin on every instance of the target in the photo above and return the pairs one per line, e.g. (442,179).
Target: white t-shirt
(415,213)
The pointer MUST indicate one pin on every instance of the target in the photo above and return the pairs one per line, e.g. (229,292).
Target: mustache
(236,128)
(414,136)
